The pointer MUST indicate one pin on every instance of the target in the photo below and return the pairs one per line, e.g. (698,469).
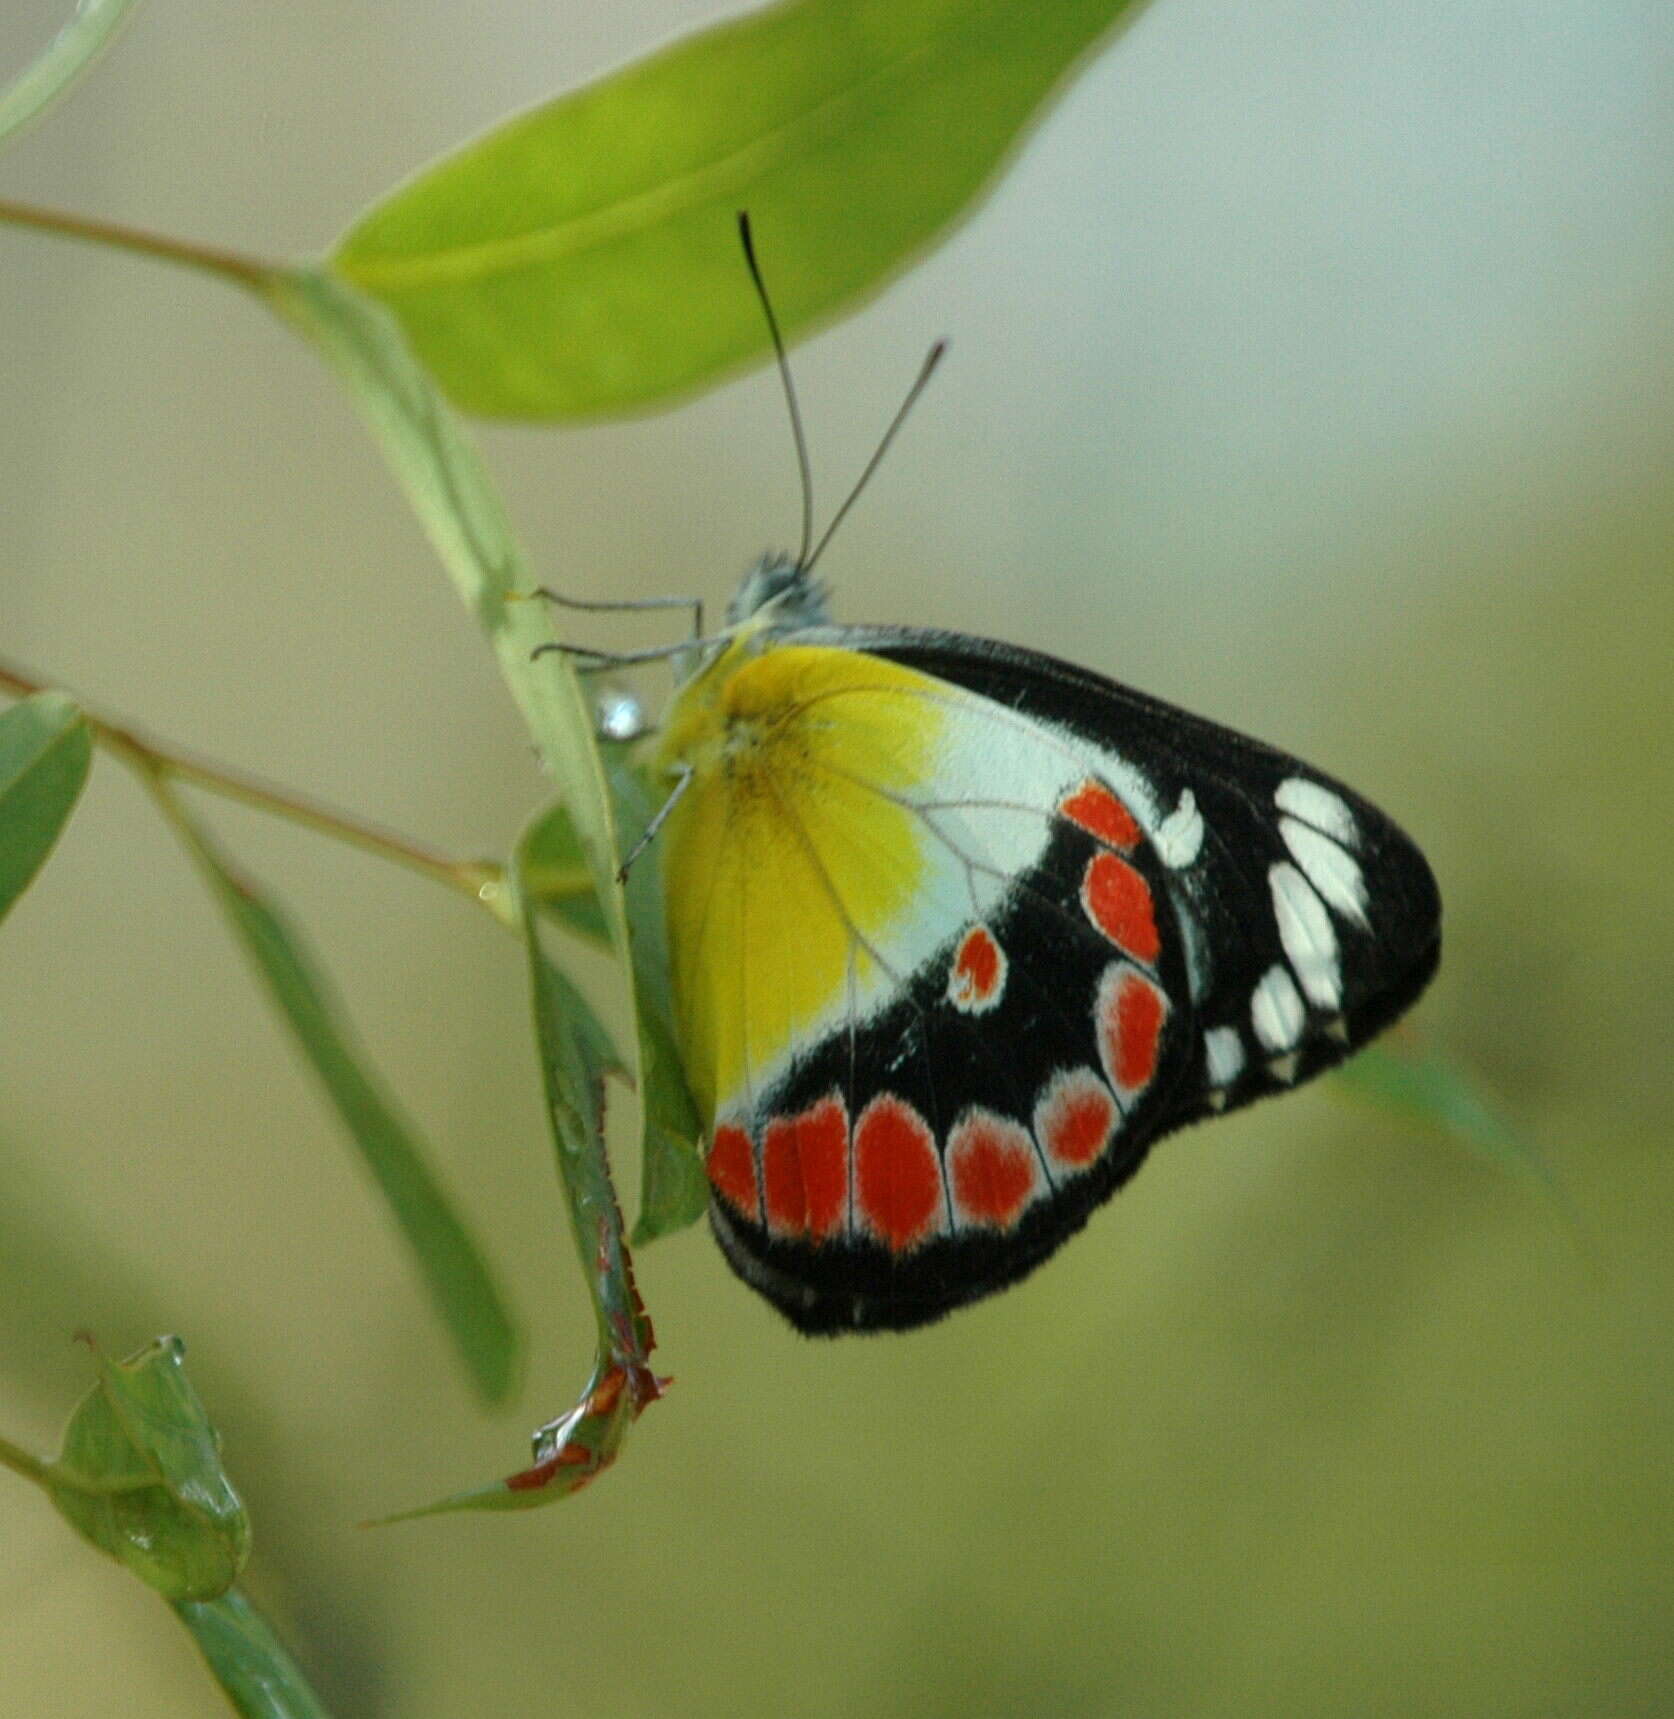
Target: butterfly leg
(683,781)
(598,658)
(624,605)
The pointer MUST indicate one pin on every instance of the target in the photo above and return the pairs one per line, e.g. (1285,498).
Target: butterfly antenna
(929,369)
(803,467)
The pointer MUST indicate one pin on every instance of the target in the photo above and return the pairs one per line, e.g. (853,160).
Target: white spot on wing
(1305,931)
(1179,836)
(1329,867)
(1284,1067)
(1223,1051)
(1317,805)
(1199,968)
(1277,1011)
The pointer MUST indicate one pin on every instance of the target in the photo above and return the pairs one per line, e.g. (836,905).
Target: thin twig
(231,265)
(152,759)
(16,1458)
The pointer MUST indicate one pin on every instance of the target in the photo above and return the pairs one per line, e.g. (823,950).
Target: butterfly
(956,931)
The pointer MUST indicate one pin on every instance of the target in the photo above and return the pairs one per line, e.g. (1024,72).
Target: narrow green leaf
(248,1660)
(596,1050)
(582,258)
(1426,1087)
(70,53)
(579,1445)
(45,751)
(558,879)
(574,1074)
(673,1190)
(454,1270)
(140,1475)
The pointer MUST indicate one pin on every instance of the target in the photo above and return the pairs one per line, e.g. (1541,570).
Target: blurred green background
(1310,368)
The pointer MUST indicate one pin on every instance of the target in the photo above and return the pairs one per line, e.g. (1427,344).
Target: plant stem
(21,1462)
(479,879)
(243,271)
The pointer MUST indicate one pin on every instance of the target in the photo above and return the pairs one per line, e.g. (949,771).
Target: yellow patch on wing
(789,857)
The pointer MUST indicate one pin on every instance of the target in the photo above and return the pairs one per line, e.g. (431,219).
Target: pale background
(1311,368)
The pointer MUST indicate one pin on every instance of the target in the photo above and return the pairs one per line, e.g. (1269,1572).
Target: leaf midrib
(807,132)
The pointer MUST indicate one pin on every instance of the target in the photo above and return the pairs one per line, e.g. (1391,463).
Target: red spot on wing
(805,1166)
(1130,1015)
(1075,1118)
(979,972)
(732,1170)
(1118,901)
(897,1178)
(991,1168)
(1101,814)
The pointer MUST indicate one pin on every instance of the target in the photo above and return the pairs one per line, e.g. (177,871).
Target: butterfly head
(782,592)
(777,595)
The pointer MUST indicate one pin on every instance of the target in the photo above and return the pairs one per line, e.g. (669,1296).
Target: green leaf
(596,1052)
(454,1270)
(1426,1087)
(260,1678)
(45,751)
(673,1189)
(573,1072)
(140,1476)
(583,258)
(557,877)
(70,53)
(579,1445)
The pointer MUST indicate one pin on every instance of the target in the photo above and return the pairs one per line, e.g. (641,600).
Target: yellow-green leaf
(583,257)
